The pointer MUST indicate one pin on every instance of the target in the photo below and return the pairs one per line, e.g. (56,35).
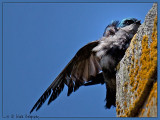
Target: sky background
(39,39)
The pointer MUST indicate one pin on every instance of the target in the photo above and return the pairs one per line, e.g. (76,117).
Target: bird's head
(129,21)
(128,24)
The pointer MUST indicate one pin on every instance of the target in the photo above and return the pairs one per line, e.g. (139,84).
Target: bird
(95,63)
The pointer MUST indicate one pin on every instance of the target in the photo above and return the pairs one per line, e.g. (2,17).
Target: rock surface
(136,78)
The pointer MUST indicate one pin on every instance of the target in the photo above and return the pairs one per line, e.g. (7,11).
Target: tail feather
(110,94)
(110,98)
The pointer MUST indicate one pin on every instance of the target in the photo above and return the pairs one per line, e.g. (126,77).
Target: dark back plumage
(111,28)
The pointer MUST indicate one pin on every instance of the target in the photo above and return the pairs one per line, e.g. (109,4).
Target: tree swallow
(95,63)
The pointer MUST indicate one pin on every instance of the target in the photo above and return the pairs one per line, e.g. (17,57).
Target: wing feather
(85,74)
(79,70)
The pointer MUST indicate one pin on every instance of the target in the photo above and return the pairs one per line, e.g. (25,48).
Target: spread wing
(81,69)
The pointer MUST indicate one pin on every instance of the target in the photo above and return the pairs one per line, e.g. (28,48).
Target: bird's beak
(138,22)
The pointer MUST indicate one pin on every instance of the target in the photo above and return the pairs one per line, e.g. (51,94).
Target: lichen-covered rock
(137,75)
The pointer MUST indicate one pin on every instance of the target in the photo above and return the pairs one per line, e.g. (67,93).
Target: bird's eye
(128,22)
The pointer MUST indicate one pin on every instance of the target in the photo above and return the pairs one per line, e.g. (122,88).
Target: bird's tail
(111,93)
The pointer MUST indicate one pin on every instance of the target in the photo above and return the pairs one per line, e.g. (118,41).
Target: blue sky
(39,39)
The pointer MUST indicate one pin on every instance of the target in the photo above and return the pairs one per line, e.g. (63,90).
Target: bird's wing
(82,68)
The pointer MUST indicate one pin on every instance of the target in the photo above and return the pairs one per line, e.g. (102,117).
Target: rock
(136,78)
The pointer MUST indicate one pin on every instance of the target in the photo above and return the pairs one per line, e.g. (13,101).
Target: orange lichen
(125,103)
(152,103)
(118,111)
(121,110)
(143,72)
(117,108)
(133,74)
(152,94)
(125,84)
(148,113)
(143,110)
(133,42)
(117,104)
